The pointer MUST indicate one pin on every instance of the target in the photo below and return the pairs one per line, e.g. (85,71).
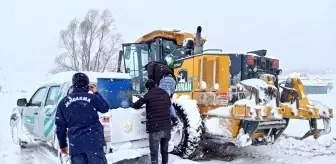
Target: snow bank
(67,76)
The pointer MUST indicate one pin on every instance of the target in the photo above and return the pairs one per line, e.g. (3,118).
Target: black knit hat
(149,84)
(80,80)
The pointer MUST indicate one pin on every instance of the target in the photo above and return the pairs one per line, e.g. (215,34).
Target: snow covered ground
(285,150)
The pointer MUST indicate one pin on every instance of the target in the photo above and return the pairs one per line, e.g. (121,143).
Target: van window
(52,96)
(38,97)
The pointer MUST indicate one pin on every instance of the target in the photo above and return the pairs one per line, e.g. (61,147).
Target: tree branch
(89,45)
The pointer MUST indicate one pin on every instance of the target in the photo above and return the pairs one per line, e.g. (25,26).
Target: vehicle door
(31,110)
(46,116)
(136,56)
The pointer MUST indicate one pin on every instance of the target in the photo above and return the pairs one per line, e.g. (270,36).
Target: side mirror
(21,102)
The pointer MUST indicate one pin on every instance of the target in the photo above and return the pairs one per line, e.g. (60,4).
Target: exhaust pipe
(199,44)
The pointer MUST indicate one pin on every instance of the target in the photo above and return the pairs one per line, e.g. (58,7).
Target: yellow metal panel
(215,69)
(240,111)
(235,127)
(209,68)
(187,66)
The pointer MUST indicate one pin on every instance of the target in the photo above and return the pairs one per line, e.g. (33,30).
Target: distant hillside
(309,71)
(20,81)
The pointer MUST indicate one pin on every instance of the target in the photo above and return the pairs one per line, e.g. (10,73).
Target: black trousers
(92,157)
(156,140)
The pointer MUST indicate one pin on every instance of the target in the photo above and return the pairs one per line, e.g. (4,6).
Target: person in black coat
(158,124)
(163,77)
(77,119)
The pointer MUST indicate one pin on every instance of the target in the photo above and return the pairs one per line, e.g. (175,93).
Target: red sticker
(223,95)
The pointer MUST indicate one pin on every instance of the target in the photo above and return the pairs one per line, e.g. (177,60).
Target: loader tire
(192,135)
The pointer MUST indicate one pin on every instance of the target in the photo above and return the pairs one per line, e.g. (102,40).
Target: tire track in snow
(289,150)
(35,154)
(29,155)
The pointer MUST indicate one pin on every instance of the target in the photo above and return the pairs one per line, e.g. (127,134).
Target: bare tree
(89,45)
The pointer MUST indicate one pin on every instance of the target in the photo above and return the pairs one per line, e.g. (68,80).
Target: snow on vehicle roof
(213,52)
(67,76)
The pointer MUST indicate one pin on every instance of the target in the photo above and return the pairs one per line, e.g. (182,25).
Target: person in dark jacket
(158,124)
(77,120)
(164,78)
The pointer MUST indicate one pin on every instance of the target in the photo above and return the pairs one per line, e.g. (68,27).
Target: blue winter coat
(77,119)
(168,84)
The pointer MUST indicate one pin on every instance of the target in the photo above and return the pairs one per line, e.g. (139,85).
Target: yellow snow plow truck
(223,97)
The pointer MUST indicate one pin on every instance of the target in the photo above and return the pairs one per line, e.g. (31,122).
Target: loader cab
(160,45)
(134,57)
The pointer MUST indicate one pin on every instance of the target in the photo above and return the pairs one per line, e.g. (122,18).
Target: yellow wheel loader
(221,97)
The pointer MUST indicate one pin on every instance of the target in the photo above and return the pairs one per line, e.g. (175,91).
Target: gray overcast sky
(298,32)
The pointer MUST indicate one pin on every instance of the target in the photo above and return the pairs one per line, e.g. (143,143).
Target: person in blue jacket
(168,83)
(77,120)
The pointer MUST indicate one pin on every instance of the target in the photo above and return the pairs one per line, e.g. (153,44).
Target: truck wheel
(187,136)
(15,124)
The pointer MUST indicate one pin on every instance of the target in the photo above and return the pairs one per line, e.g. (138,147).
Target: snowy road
(285,150)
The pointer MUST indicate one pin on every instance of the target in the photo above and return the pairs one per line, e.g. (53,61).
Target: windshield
(136,57)
(169,47)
